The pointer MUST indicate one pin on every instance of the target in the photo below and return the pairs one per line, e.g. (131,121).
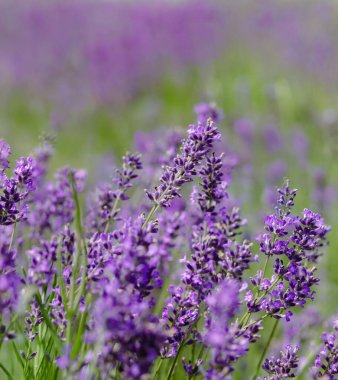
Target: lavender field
(168,189)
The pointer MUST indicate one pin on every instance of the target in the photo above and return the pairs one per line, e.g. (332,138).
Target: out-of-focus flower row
(83,52)
(102,51)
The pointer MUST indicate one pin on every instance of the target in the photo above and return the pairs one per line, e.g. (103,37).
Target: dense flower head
(224,338)
(16,190)
(42,258)
(130,334)
(195,147)
(33,320)
(283,367)
(53,205)
(294,242)
(214,256)
(9,280)
(213,189)
(326,362)
(104,205)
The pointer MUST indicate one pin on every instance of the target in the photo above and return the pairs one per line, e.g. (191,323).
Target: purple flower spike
(201,138)
(284,366)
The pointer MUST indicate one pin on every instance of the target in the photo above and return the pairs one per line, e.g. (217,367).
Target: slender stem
(6,372)
(27,358)
(172,368)
(265,265)
(150,215)
(158,368)
(265,349)
(12,237)
(112,213)
(254,322)
(157,204)
(81,251)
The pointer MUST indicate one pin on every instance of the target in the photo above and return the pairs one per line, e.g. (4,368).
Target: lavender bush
(169,283)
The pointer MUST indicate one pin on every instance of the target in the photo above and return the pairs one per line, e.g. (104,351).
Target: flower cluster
(15,190)
(283,367)
(294,242)
(138,289)
(200,140)
(104,206)
(326,362)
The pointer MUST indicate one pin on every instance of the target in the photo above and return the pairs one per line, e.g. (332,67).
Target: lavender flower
(42,259)
(214,257)
(5,152)
(104,206)
(326,362)
(199,142)
(53,205)
(9,281)
(15,191)
(130,335)
(293,239)
(136,261)
(283,367)
(204,111)
(225,339)
(58,314)
(33,320)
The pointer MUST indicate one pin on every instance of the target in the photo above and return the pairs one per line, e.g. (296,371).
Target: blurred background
(89,74)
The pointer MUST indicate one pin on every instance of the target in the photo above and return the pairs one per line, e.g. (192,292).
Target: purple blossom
(136,259)
(33,320)
(53,205)
(225,339)
(9,280)
(204,111)
(5,152)
(214,257)
(41,268)
(326,362)
(284,366)
(295,240)
(200,140)
(104,203)
(58,314)
(129,334)
(15,191)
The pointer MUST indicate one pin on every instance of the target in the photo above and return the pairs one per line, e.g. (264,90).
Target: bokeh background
(88,75)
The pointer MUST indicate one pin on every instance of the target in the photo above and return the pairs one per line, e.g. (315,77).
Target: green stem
(82,248)
(47,320)
(112,213)
(274,328)
(6,372)
(12,237)
(157,204)
(265,265)
(27,358)
(172,368)
(158,368)
(60,278)
(150,215)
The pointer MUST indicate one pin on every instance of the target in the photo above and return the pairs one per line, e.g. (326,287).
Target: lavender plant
(170,286)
